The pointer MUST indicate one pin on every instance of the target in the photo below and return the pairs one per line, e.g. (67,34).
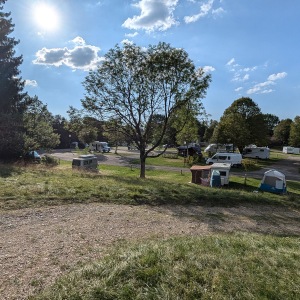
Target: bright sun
(46,17)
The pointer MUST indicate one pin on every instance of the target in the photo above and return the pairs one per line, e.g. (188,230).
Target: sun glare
(46,17)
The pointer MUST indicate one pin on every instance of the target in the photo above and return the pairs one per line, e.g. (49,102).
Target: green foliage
(49,160)
(242,124)
(38,125)
(135,85)
(294,138)
(228,266)
(282,131)
(11,87)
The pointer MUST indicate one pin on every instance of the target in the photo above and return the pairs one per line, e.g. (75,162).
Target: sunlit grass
(237,266)
(37,185)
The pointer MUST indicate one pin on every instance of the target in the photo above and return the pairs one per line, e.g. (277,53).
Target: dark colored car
(190,149)
(32,156)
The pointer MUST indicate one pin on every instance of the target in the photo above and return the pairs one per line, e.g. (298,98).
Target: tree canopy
(294,138)
(12,103)
(134,85)
(282,131)
(242,124)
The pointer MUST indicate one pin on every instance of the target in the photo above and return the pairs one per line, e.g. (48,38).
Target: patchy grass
(237,266)
(37,185)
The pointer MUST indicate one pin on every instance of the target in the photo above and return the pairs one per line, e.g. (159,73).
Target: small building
(202,174)
(85,162)
(291,150)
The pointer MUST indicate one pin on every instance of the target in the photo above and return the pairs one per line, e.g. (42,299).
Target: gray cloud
(82,56)
(155,15)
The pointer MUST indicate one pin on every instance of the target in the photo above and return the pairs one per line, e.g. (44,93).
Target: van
(85,162)
(235,159)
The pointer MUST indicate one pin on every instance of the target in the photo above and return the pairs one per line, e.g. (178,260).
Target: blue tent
(274,182)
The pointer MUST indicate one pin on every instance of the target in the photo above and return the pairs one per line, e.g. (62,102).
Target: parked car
(190,149)
(32,156)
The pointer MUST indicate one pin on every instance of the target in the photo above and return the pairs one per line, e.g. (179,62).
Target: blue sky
(250,47)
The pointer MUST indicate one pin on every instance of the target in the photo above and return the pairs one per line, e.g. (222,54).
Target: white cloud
(263,87)
(238,89)
(230,62)
(155,15)
(204,10)
(82,56)
(208,69)
(32,83)
(131,34)
(277,76)
(219,11)
(126,41)
(260,88)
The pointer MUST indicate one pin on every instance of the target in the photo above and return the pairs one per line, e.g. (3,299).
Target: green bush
(49,160)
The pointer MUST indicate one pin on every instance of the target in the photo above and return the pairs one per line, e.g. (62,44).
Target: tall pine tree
(12,97)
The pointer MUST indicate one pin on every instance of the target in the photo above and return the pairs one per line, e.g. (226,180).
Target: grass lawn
(219,266)
(37,185)
(228,266)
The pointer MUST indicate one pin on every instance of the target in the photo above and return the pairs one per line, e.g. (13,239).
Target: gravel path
(38,245)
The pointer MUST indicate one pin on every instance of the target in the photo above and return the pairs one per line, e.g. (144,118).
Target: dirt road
(38,245)
(290,165)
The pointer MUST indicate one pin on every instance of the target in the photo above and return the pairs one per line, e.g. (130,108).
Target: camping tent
(274,182)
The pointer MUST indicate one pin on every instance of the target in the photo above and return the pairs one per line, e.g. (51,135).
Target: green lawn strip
(219,266)
(37,186)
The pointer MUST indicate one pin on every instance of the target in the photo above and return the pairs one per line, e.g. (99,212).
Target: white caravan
(256,152)
(234,159)
(291,150)
(99,146)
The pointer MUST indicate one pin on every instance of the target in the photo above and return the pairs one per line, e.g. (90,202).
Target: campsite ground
(37,245)
(288,164)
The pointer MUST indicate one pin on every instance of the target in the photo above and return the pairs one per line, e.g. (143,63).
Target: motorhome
(256,152)
(235,159)
(99,146)
(213,148)
(85,162)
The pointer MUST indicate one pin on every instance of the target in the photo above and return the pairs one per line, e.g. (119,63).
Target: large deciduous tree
(242,124)
(282,131)
(134,85)
(294,139)
(11,96)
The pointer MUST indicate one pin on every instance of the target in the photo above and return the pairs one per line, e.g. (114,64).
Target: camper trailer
(291,150)
(99,147)
(256,152)
(224,169)
(234,159)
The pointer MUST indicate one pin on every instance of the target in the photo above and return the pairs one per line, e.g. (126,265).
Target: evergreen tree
(12,103)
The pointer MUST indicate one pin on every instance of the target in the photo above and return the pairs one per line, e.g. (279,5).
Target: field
(111,235)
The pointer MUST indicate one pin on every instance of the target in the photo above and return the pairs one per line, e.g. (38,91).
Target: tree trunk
(143,164)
